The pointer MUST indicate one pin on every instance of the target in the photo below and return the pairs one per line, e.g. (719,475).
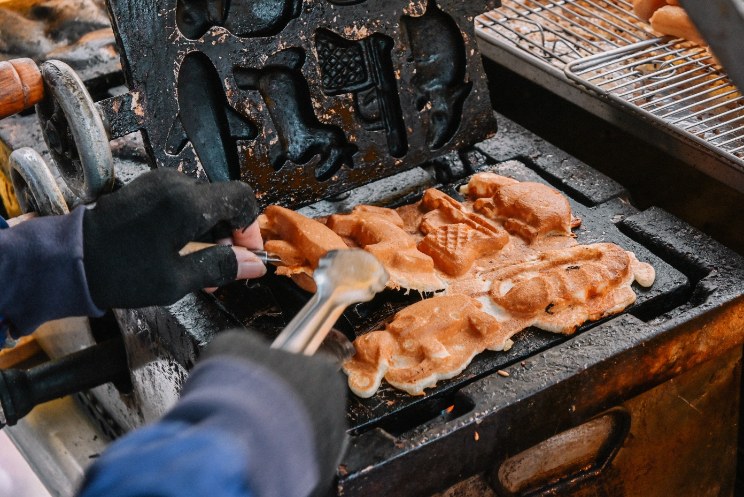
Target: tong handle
(306,331)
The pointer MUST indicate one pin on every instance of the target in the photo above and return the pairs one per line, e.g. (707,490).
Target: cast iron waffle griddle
(396,410)
(300,99)
(415,446)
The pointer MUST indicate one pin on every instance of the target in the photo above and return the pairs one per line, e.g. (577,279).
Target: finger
(211,267)
(228,203)
(249,237)
(249,265)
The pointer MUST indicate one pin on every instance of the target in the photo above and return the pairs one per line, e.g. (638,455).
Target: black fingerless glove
(131,238)
(317,383)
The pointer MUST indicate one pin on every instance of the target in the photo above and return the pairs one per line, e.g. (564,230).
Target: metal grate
(676,82)
(602,46)
(562,31)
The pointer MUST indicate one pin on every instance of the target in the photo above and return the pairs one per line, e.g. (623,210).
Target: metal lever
(343,277)
(22,390)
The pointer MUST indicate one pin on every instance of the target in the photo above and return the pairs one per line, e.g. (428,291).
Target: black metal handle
(565,462)
(22,390)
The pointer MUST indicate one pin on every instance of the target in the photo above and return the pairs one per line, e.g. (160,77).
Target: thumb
(249,265)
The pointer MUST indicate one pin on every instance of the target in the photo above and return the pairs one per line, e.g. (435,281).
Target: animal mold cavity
(244,18)
(206,119)
(287,97)
(439,57)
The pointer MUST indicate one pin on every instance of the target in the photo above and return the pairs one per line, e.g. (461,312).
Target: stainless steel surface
(59,442)
(546,40)
(343,277)
(721,22)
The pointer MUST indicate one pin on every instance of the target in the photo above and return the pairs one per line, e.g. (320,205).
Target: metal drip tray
(598,55)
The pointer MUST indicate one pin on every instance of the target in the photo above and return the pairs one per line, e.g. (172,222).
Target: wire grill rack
(602,46)
(673,81)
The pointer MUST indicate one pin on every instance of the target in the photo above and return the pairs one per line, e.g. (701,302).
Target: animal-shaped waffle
(380,232)
(431,340)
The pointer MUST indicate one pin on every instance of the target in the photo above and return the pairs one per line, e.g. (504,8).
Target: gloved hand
(131,239)
(316,381)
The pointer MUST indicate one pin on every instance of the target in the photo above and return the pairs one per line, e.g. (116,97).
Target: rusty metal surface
(302,99)
(681,441)
(697,456)
(475,486)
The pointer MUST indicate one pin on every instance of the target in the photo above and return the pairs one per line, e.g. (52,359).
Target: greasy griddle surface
(392,406)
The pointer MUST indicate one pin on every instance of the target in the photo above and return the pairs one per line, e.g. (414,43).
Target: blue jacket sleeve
(42,273)
(238,431)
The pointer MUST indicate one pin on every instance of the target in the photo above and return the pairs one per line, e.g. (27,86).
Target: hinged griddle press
(302,100)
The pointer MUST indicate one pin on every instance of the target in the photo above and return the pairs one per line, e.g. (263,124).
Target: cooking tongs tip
(343,277)
(264,256)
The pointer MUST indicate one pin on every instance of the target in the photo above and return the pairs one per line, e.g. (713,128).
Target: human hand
(242,242)
(315,381)
(132,237)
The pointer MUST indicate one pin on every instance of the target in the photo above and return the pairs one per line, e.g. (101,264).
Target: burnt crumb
(572,268)
(41,12)
(94,456)
(549,308)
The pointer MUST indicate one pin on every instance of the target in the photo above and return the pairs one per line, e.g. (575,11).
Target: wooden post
(21,86)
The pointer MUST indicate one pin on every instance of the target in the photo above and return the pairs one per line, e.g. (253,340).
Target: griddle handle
(22,390)
(21,86)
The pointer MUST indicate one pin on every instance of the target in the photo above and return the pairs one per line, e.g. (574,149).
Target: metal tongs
(343,277)
(721,22)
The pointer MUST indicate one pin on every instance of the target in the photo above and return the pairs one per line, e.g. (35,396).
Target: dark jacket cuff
(262,414)
(43,273)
